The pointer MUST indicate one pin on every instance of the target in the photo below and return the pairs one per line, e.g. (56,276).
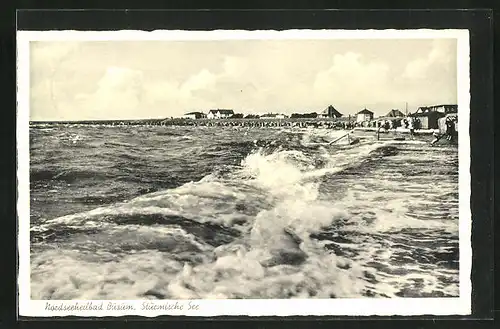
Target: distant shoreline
(187,120)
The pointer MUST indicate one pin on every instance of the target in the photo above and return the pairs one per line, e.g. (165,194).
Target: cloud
(350,77)
(200,81)
(235,66)
(119,90)
(437,59)
(45,52)
(202,90)
(48,56)
(177,97)
(168,98)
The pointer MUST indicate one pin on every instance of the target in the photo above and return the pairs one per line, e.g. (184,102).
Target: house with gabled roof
(364,115)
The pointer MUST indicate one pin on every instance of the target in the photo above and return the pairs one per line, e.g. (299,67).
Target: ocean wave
(265,227)
(282,185)
(68,176)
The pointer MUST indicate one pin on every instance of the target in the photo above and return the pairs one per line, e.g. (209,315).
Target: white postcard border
(251,307)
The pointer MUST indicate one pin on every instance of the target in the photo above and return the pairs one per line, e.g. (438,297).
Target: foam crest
(155,275)
(301,216)
(241,274)
(281,172)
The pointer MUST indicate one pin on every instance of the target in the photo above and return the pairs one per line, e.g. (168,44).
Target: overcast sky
(157,79)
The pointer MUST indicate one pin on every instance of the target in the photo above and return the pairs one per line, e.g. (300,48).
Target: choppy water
(174,212)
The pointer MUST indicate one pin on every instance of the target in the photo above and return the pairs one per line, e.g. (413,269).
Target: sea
(155,212)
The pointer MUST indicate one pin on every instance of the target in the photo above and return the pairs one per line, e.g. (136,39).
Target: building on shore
(194,115)
(364,115)
(395,113)
(429,120)
(220,114)
(429,115)
(330,112)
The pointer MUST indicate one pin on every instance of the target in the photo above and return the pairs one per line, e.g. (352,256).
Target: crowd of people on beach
(407,123)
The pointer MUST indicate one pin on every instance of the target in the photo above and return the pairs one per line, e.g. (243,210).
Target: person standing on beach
(386,125)
(418,124)
(411,126)
(450,128)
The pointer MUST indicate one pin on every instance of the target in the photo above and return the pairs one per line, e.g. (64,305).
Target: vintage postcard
(261,173)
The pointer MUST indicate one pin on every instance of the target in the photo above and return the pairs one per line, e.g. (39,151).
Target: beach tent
(394,113)
(330,112)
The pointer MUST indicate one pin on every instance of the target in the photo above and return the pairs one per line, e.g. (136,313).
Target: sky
(94,80)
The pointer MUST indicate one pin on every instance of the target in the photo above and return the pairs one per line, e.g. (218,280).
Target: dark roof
(441,105)
(189,113)
(395,113)
(333,109)
(434,108)
(365,111)
(222,111)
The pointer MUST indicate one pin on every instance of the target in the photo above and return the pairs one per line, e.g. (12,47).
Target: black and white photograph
(200,173)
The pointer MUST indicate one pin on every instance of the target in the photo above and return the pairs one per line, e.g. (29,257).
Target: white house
(220,114)
(364,115)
